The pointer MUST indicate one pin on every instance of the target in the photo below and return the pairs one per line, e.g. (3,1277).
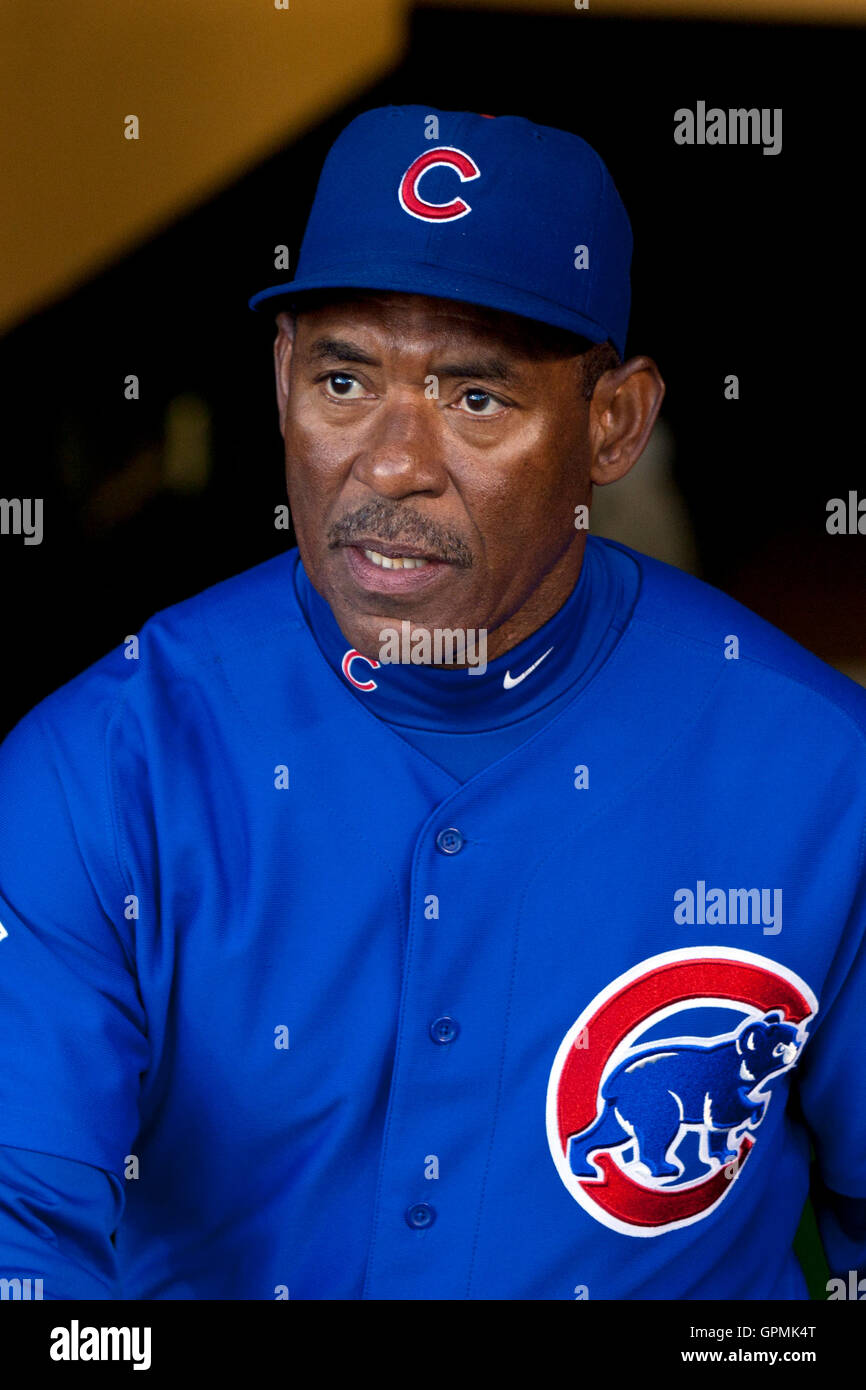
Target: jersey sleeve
(842,1226)
(833,1096)
(56,1222)
(833,1082)
(73,1031)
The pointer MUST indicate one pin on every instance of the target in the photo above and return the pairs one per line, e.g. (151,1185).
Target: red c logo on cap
(410,200)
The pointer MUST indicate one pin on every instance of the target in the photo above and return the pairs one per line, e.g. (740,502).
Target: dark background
(744,263)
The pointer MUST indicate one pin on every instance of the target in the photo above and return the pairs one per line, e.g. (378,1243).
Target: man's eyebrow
(488,368)
(340,350)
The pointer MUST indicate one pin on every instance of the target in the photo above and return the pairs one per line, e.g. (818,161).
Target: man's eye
(341,384)
(480,403)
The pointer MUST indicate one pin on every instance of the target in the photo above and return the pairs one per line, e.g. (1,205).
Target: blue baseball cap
(493,211)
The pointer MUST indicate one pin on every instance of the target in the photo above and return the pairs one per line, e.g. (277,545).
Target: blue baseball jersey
(290,1009)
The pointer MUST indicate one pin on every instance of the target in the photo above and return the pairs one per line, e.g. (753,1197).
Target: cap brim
(440,284)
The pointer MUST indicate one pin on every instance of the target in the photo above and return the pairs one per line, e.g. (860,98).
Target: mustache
(390,521)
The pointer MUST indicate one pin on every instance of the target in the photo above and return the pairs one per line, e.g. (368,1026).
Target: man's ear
(622,412)
(283,345)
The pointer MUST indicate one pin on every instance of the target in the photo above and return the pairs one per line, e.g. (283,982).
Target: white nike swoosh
(508,680)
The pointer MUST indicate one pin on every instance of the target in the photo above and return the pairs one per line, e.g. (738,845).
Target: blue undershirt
(464,720)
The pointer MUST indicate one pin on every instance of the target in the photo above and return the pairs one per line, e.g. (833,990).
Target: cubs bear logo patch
(658,1091)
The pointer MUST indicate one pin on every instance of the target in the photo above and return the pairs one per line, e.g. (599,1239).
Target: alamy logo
(22,516)
(76,1343)
(438,646)
(21,1290)
(846,519)
(719,907)
(736,126)
(855,1289)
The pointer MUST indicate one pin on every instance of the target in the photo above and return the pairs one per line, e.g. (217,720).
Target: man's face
(426,431)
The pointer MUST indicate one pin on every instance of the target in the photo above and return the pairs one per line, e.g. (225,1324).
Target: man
(457,907)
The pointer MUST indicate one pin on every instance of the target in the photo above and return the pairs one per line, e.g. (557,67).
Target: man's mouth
(377,551)
(392,567)
(395,562)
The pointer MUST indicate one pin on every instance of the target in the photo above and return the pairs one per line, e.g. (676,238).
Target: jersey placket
(448,1061)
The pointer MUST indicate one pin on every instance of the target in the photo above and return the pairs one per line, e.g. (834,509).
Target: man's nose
(401,454)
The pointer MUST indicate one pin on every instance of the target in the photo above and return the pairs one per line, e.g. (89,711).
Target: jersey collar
(514,686)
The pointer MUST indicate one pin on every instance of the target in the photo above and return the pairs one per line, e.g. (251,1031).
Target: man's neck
(517,684)
(546,599)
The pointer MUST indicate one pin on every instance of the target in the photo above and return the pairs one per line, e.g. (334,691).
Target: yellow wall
(216,85)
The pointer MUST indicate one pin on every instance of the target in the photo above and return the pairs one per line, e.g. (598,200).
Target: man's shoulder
(175,648)
(237,609)
(688,615)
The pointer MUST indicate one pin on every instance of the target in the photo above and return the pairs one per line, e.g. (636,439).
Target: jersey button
(450,841)
(420,1215)
(444,1030)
